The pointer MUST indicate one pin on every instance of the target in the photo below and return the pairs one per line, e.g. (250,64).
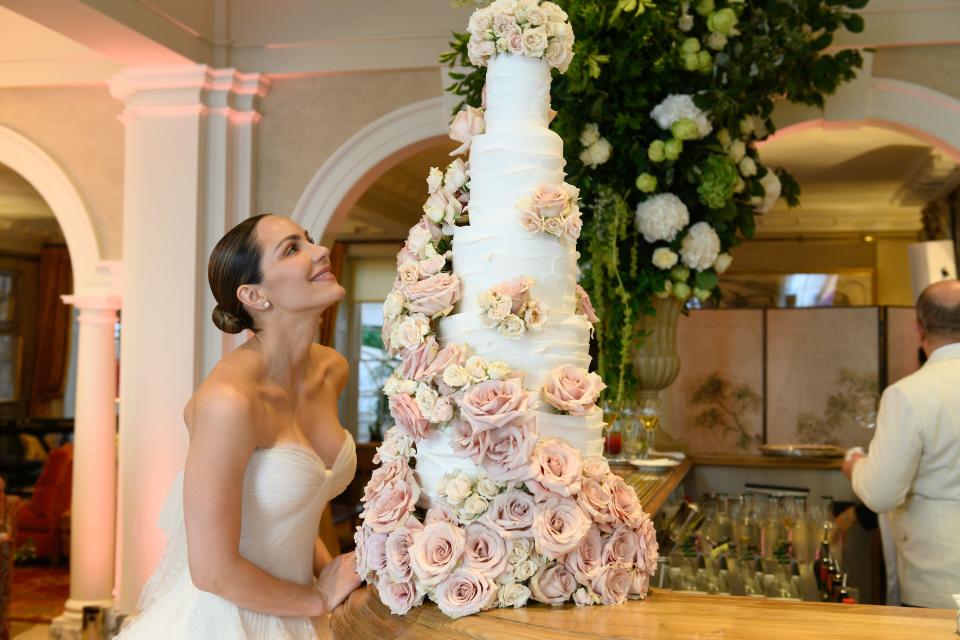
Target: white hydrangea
(771,191)
(723,262)
(597,153)
(664,258)
(700,247)
(677,107)
(662,217)
(590,134)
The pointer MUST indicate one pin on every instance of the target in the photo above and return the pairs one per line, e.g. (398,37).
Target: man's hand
(849,462)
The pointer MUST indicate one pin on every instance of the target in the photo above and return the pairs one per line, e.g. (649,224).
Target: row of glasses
(631,429)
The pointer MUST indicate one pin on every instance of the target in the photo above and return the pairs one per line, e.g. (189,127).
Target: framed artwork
(847,288)
(822,382)
(716,403)
(902,343)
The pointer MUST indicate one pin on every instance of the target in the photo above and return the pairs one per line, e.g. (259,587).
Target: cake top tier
(517,94)
(524,28)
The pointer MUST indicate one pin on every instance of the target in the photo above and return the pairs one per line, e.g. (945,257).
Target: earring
(266,305)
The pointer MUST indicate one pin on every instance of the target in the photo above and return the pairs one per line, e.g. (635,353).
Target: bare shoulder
(331,363)
(225,406)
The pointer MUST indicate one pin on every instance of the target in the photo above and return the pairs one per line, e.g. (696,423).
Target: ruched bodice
(285,490)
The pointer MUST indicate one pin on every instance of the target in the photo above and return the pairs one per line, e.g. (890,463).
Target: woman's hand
(338,580)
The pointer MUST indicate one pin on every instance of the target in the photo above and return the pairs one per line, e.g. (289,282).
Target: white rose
(737,150)
(408,273)
(498,370)
(535,15)
(748,167)
(457,488)
(500,308)
(434,180)
(597,153)
(520,549)
(456,176)
(487,299)
(442,411)
(506,577)
(558,54)
(523,570)
(391,386)
(476,367)
(393,305)
(418,239)
(771,190)
(534,41)
(535,315)
(410,331)
(408,387)
(425,398)
(700,247)
(487,488)
(591,133)
(396,444)
(661,217)
(554,226)
(472,508)
(512,327)
(456,376)
(480,21)
(435,212)
(513,595)
(723,262)
(664,258)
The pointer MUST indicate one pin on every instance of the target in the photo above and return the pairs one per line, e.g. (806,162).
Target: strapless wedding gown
(285,490)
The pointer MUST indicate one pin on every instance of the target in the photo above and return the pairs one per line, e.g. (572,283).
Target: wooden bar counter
(663,615)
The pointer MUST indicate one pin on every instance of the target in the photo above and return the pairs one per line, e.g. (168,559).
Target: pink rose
(467,443)
(596,468)
(531,221)
(507,450)
(620,548)
(415,361)
(434,295)
(558,527)
(399,597)
(406,414)
(465,592)
(440,512)
(386,474)
(386,334)
(419,236)
(572,226)
(515,42)
(431,266)
(511,514)
(552,584)
(516,290)
(623,502)
(584,306)
(550,200)
(503,24)
(570,388)
(450,354)
(376,544)
(405,256)
(556,466)
(639,585)
(468,123)
(647,547)
(584,561)
(397,550)
(360,551)
(442,411)
(485,550)
(594,498)
(494,403)
(612,583)
(390,507)
(435,551)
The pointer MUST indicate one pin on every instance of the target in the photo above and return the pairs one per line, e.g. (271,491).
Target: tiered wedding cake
(492,398)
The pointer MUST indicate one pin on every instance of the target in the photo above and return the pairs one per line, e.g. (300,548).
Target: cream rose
(488,488)
(457,488)
(590,134)
(520,549)
(456,376)
(408,273)
(531,221)
(553,226)
(525,569)
(455,176)
(396,445)
(513,595)
(465,592)
(472,508)
(552,584)
(572,226)
(551,200)
(476,366)
(572,389)
(410,331)
(393,305)
(498,370)
(534,41)
(435,551)
(512,326)
(434,180)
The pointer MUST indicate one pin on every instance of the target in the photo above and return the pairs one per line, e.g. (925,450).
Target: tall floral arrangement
(662,107)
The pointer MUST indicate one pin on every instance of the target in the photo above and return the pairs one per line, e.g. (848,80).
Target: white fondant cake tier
(483,259)
(435,459)
(518,93)
(584,433)
(564,340)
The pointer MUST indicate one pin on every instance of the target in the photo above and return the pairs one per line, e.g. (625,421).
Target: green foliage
(738,59)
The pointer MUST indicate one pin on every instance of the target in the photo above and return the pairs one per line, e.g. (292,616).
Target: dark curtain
(328,323)
(53,331)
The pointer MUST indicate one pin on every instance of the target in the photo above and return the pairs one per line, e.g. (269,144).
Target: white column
(93,502)
(181,175)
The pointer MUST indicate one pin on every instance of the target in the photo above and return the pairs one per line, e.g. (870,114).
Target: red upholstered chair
(39,519)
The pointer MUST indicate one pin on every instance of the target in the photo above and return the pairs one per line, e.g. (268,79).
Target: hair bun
(226,321)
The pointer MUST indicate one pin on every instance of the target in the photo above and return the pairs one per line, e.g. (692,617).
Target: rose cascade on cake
(492,489)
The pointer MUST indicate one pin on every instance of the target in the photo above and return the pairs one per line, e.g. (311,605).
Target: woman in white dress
(267,453)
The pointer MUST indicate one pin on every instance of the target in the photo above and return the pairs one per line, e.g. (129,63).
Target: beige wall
(305,120)
(937,67)
(79,129)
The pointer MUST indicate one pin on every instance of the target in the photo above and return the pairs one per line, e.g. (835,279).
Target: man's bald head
(938,310)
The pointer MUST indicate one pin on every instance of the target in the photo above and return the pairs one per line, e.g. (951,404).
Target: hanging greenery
(660,112)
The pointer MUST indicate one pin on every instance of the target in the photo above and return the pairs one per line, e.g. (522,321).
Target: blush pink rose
(584,561)
(386,474)
(494,403)
(431,266)
(467,443)
(415,361)
(596,468)
(648,549)
(376,544)
(594,498)
(360,551)
(639,585)
(558,527)
(572,226)
(435,551)
(584,306)
(405,256)
(572,389)
(531,221)
(556,466)
(507,451)
(485,550)
(552,584)
(550,200)
(465,592)
(434,295)
(391,506)
(419,236)
(511,514)
(386,332)
(440,512)
(406,414)
(620,548)
(516,289)
(400,596)
(452,353)
(623,502)
(514,42)
(468,123)
(612,583)
(397,549)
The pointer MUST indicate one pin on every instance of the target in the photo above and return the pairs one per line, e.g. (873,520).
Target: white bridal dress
(285,490)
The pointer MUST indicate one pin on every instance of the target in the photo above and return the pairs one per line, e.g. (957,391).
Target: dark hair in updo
(235,261)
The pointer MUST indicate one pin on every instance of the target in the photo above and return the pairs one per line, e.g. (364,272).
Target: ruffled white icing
(584,433)
(435,459)
(518,93)
(564,340)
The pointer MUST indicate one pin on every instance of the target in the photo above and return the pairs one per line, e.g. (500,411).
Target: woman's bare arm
(222,441)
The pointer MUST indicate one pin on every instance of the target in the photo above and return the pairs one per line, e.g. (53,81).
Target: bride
(266,455)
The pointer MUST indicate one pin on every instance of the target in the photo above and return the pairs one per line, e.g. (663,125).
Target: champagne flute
(648,414)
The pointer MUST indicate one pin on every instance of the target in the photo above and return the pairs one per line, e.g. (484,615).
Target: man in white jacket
(913,468)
